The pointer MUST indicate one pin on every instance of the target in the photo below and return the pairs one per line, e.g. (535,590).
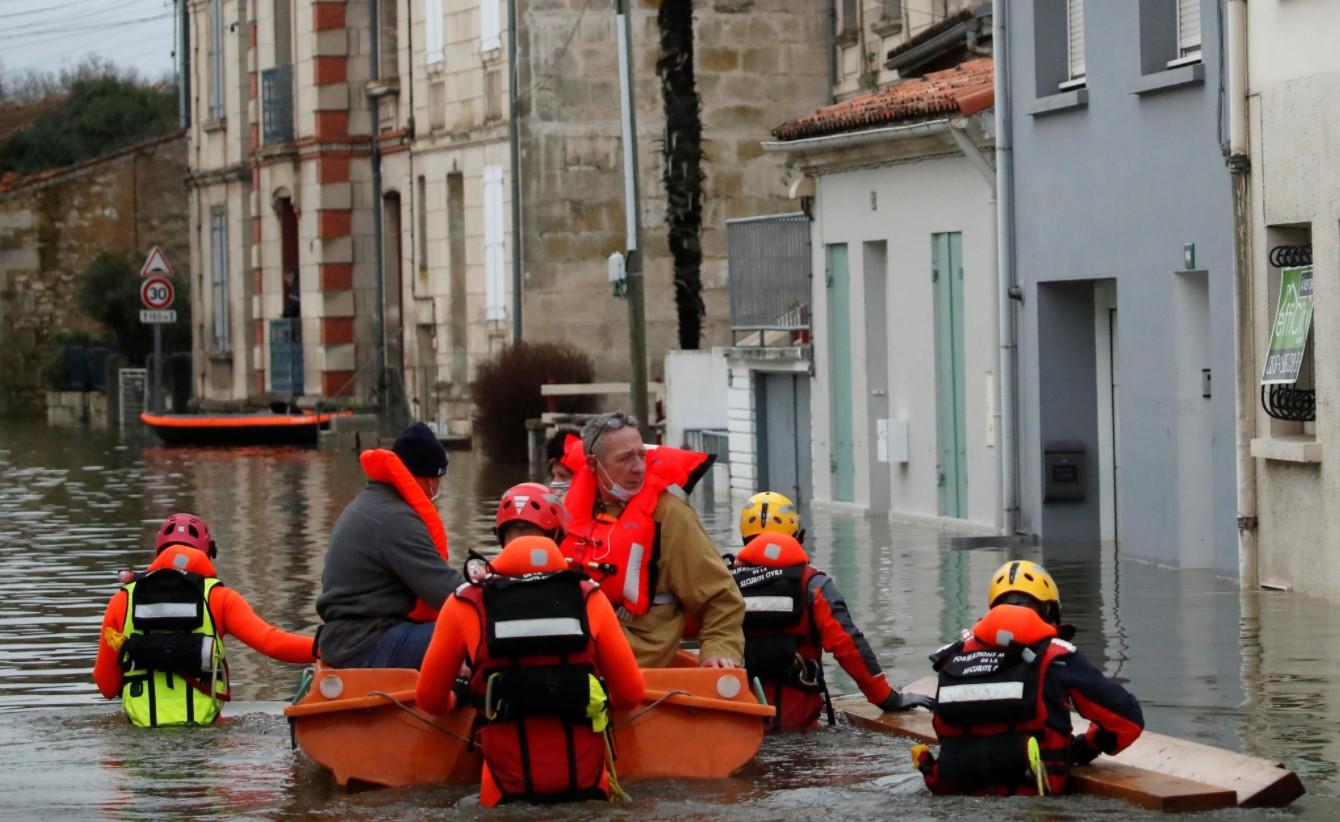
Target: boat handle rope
(425,720)
(640,712)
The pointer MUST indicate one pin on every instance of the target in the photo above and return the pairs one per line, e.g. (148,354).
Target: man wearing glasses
(647,548)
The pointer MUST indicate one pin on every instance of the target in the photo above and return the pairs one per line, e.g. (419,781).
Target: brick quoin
(336,276)
(332,169)
(332,125)
(260,380)
(327,16)
(327,70)
(251,79)
(337,330)
(337,383)
(259,274)
(255,28)
(335,223)
(255,134)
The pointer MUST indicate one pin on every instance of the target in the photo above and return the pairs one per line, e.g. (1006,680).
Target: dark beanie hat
(420,451)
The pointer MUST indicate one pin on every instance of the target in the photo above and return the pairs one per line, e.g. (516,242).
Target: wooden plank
(1254,781)
(584,389)
(1110,779)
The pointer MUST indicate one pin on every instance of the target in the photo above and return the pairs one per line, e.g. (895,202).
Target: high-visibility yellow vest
(153,698)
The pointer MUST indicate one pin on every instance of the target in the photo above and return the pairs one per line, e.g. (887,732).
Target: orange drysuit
(231,613)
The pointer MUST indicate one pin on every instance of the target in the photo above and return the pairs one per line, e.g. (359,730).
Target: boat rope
(425,720)
(304,685)
(639,713)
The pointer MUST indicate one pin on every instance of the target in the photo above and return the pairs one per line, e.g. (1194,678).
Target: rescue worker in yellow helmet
(1005,693)
(793,614)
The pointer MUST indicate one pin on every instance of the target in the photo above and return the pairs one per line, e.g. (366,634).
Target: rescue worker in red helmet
(1006,691)
(793,613)
(161,643)
(529,509)
(539,639)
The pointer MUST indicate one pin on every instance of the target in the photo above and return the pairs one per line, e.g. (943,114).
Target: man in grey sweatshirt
(382,559)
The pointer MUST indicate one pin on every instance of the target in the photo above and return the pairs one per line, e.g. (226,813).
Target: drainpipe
(832,51)
(514,140)
(1006,287)
(378,248)
(1239,166)
(184,62)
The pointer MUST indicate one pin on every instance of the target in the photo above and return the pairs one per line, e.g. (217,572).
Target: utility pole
(637,312)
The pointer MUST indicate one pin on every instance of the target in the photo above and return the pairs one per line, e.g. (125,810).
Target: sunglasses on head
(612,424)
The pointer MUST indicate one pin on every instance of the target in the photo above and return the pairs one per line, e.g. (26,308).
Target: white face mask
(437,492)
(616,490)
(560,487)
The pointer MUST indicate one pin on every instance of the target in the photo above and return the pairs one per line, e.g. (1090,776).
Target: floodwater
(1247,672)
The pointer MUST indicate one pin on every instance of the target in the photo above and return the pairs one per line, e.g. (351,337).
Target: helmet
(188,530)
(1029,579)
(769,511)
(531,502)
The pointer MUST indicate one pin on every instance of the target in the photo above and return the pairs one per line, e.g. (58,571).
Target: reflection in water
(1248,672)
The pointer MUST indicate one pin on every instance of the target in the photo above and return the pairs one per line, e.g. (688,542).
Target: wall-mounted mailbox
(1063,472)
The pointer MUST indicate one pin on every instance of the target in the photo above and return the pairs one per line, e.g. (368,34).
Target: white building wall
(1293,71)
(913,201)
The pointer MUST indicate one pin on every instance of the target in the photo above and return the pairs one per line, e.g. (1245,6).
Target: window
(891,13)
(495,296)
(388,47)
(847,31)
(492,95)
(432,31)
(1074,43)
(489,39)
(218,248)
(437,106)
(216,107)
(1188,31)
(421,226)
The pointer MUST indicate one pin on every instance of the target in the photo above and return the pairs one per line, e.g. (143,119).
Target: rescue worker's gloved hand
(906,700)
(1081,753)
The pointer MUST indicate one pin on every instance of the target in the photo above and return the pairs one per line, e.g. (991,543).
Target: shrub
(506,393)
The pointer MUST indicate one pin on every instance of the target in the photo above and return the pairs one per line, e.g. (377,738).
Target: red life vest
(992,698)
(384,466)
(531,678)
(781,645)
(621,554)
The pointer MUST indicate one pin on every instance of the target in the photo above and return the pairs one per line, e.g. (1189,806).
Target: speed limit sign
(157,293)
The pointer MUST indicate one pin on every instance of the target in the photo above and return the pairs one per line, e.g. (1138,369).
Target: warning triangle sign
(156,265)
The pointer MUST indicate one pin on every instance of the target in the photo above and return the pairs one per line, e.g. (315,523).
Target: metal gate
(785,462)
(132,389)
(286,356)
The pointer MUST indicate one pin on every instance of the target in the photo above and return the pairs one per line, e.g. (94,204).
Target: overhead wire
(51,26)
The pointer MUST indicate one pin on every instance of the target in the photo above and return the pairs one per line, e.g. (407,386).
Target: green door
(950,422)
(842,462)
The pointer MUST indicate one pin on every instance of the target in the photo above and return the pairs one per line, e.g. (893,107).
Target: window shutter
(432,31)
(1188,28)
(489,38)
(1075,39)
(219,247)
(495,298)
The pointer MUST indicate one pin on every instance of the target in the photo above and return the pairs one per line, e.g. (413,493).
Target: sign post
(1288,336)
(157,294)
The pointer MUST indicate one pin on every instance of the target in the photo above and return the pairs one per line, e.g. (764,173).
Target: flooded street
(1246,672)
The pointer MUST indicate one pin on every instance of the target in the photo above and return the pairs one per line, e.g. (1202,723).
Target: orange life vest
(621,553)
(382,465)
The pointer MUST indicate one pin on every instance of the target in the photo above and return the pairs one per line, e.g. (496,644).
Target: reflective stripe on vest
(783,605)
(552,626)
(632,580)
(981,692)
(165,610)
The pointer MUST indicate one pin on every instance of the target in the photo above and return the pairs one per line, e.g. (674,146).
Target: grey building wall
(1110,188)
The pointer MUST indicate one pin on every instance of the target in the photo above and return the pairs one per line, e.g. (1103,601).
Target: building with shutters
(332,156)
(1122,216)
(1284,156)
(901,189)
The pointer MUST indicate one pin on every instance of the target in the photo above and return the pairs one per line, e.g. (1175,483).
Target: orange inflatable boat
(363,726)
(240,429)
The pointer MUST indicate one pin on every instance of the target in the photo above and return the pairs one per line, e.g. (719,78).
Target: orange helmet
(531,502)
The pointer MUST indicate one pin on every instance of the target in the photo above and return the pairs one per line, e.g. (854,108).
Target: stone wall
(53,225)
(757,63)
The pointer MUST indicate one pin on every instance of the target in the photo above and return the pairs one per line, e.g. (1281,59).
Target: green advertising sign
(1288,336)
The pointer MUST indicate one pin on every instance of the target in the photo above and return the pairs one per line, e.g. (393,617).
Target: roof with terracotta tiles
(964,89)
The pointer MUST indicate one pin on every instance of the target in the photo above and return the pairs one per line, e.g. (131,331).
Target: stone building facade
(356,163)
(755,63)
(54,224)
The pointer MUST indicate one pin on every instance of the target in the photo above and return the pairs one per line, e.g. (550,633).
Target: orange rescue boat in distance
(362,725)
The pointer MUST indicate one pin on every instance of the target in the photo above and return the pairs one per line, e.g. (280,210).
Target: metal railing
(286,375)
(715,441)
(277,104)
(770,278)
